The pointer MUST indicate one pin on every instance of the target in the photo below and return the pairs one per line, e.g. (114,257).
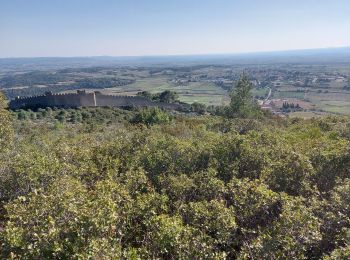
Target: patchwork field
(331,102)
(203,92)
(320,88)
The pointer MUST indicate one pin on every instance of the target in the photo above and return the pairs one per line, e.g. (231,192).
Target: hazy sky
(156,27)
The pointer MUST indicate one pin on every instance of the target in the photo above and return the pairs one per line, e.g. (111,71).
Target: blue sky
(32,28)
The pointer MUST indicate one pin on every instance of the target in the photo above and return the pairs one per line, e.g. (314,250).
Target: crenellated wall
(121,101)
(83,99)
(80,99)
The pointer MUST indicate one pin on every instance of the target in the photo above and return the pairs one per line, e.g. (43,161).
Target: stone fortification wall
(121,101)
(83,99)
(128,101)
(55,100)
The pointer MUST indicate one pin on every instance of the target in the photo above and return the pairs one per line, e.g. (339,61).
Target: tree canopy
(242,103)
(166,96)
(6,130)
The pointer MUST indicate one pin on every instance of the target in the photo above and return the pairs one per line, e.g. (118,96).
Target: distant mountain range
(310,56)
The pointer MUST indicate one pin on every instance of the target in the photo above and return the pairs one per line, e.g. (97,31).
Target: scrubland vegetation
(106,183)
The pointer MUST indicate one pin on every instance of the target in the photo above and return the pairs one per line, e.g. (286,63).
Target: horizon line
(180,55)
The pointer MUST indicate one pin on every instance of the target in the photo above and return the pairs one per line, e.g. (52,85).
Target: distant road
(268,96)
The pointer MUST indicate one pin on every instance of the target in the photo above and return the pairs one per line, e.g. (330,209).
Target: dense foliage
(91,115)
(166,96)
(242,103)
(191,187)
(6,130)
